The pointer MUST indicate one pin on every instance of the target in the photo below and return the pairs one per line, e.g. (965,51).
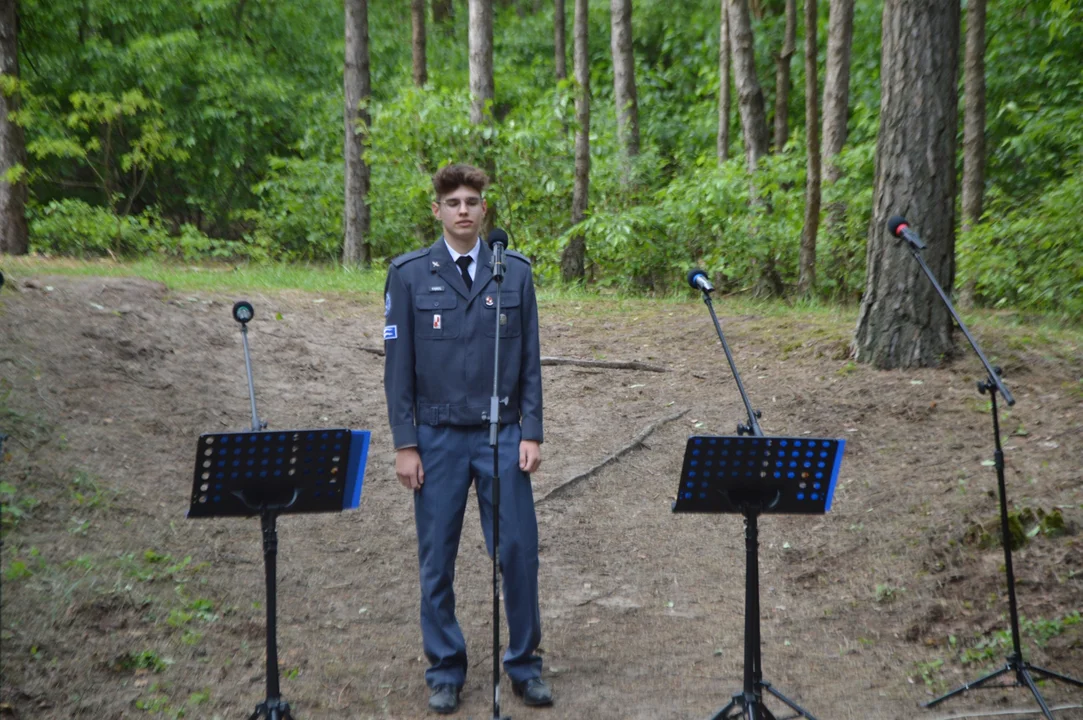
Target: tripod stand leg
(723,714)
(1024,675)
(748,707)
(792,705)
(967,686)
(1054,676)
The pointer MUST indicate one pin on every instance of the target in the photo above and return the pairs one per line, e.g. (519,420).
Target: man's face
(461,212)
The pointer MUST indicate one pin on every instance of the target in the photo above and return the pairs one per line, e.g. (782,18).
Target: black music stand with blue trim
(752,475)
(270,473)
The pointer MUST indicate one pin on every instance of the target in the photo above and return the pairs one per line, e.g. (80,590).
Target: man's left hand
(529,455)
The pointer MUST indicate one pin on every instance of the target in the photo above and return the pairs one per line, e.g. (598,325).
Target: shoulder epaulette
(518,255)
(403,259)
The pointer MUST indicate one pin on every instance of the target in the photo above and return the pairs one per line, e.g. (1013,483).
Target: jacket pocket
(437,317)
(511,324)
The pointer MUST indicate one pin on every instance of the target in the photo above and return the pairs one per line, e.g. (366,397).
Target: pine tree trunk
(480,38)
(840,34)
(806,281)
(974,115)
(559,52)
(724,94)
(973,128)
(14,237)
(782,77)
(357,86)
(902,322)
(624,80)
(573,259)
(417,17)
(749,93)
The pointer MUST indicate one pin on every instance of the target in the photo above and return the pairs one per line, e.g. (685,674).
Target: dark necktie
(463,262)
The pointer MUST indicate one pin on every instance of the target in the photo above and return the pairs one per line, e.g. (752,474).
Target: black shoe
(444,699)
(534,692)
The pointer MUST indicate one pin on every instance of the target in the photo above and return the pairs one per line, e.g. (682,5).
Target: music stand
(270,473)
(752,475)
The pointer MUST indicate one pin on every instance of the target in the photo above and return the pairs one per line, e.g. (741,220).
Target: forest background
(214,129)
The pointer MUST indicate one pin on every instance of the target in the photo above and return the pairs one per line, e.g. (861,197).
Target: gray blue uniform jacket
(439,342)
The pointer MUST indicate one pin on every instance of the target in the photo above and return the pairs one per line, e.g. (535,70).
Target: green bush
(1029,257)
(77,229)
(73,227)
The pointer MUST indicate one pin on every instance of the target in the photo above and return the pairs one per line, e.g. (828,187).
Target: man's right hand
(408,468)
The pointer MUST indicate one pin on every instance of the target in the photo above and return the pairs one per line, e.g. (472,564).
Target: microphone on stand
(498,242)
(698,280)
(898,227)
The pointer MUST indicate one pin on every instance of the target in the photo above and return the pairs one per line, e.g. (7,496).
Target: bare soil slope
(116,606)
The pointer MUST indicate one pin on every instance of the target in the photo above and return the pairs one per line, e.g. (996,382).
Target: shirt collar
(474,252)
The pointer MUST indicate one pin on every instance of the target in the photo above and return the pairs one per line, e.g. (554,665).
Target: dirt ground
(114,605)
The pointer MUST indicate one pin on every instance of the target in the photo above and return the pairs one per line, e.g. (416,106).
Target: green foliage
(1029,257)
(992,647)
(114,141)
(144,660)
(14,505)
(211,129)
(76,228)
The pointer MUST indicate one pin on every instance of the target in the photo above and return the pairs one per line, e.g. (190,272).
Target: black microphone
(498,241)
(898,227)
(698,280)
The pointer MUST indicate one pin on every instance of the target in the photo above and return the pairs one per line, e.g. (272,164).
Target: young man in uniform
(439,336)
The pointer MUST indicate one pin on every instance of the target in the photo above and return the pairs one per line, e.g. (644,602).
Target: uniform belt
(446,414)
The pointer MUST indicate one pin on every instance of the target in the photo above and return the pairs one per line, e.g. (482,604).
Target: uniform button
(436,304)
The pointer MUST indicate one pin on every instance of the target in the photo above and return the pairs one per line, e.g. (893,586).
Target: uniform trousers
(454,457)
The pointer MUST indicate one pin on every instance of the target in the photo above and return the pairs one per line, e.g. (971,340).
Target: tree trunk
(417,16)
(782,77)
(573,260)
(724,94)
(443,11)
(902,322)
(624,80)
(806,280)
(749,93)
(559,54)
(973,128)
(480,38)
(840,34)
(355,247)
(14,238)
(974,115)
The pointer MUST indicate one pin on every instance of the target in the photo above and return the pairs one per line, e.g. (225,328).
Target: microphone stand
(274,707)
(992,384)
(749,702)
(494,442)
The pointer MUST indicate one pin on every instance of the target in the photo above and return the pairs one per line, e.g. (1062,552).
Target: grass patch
(212,277)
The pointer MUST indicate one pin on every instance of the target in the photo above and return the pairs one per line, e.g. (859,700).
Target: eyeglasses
(454,203)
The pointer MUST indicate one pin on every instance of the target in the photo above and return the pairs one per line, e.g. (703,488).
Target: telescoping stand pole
(274,707)
(494,442)
(1015,664)
(747,704)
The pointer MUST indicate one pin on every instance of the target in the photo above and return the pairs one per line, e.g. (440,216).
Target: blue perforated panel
(781,475)
(237,472)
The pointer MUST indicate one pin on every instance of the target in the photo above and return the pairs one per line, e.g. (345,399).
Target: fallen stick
(636,442)
(611,364)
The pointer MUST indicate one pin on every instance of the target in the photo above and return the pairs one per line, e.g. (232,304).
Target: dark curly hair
(453,176)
